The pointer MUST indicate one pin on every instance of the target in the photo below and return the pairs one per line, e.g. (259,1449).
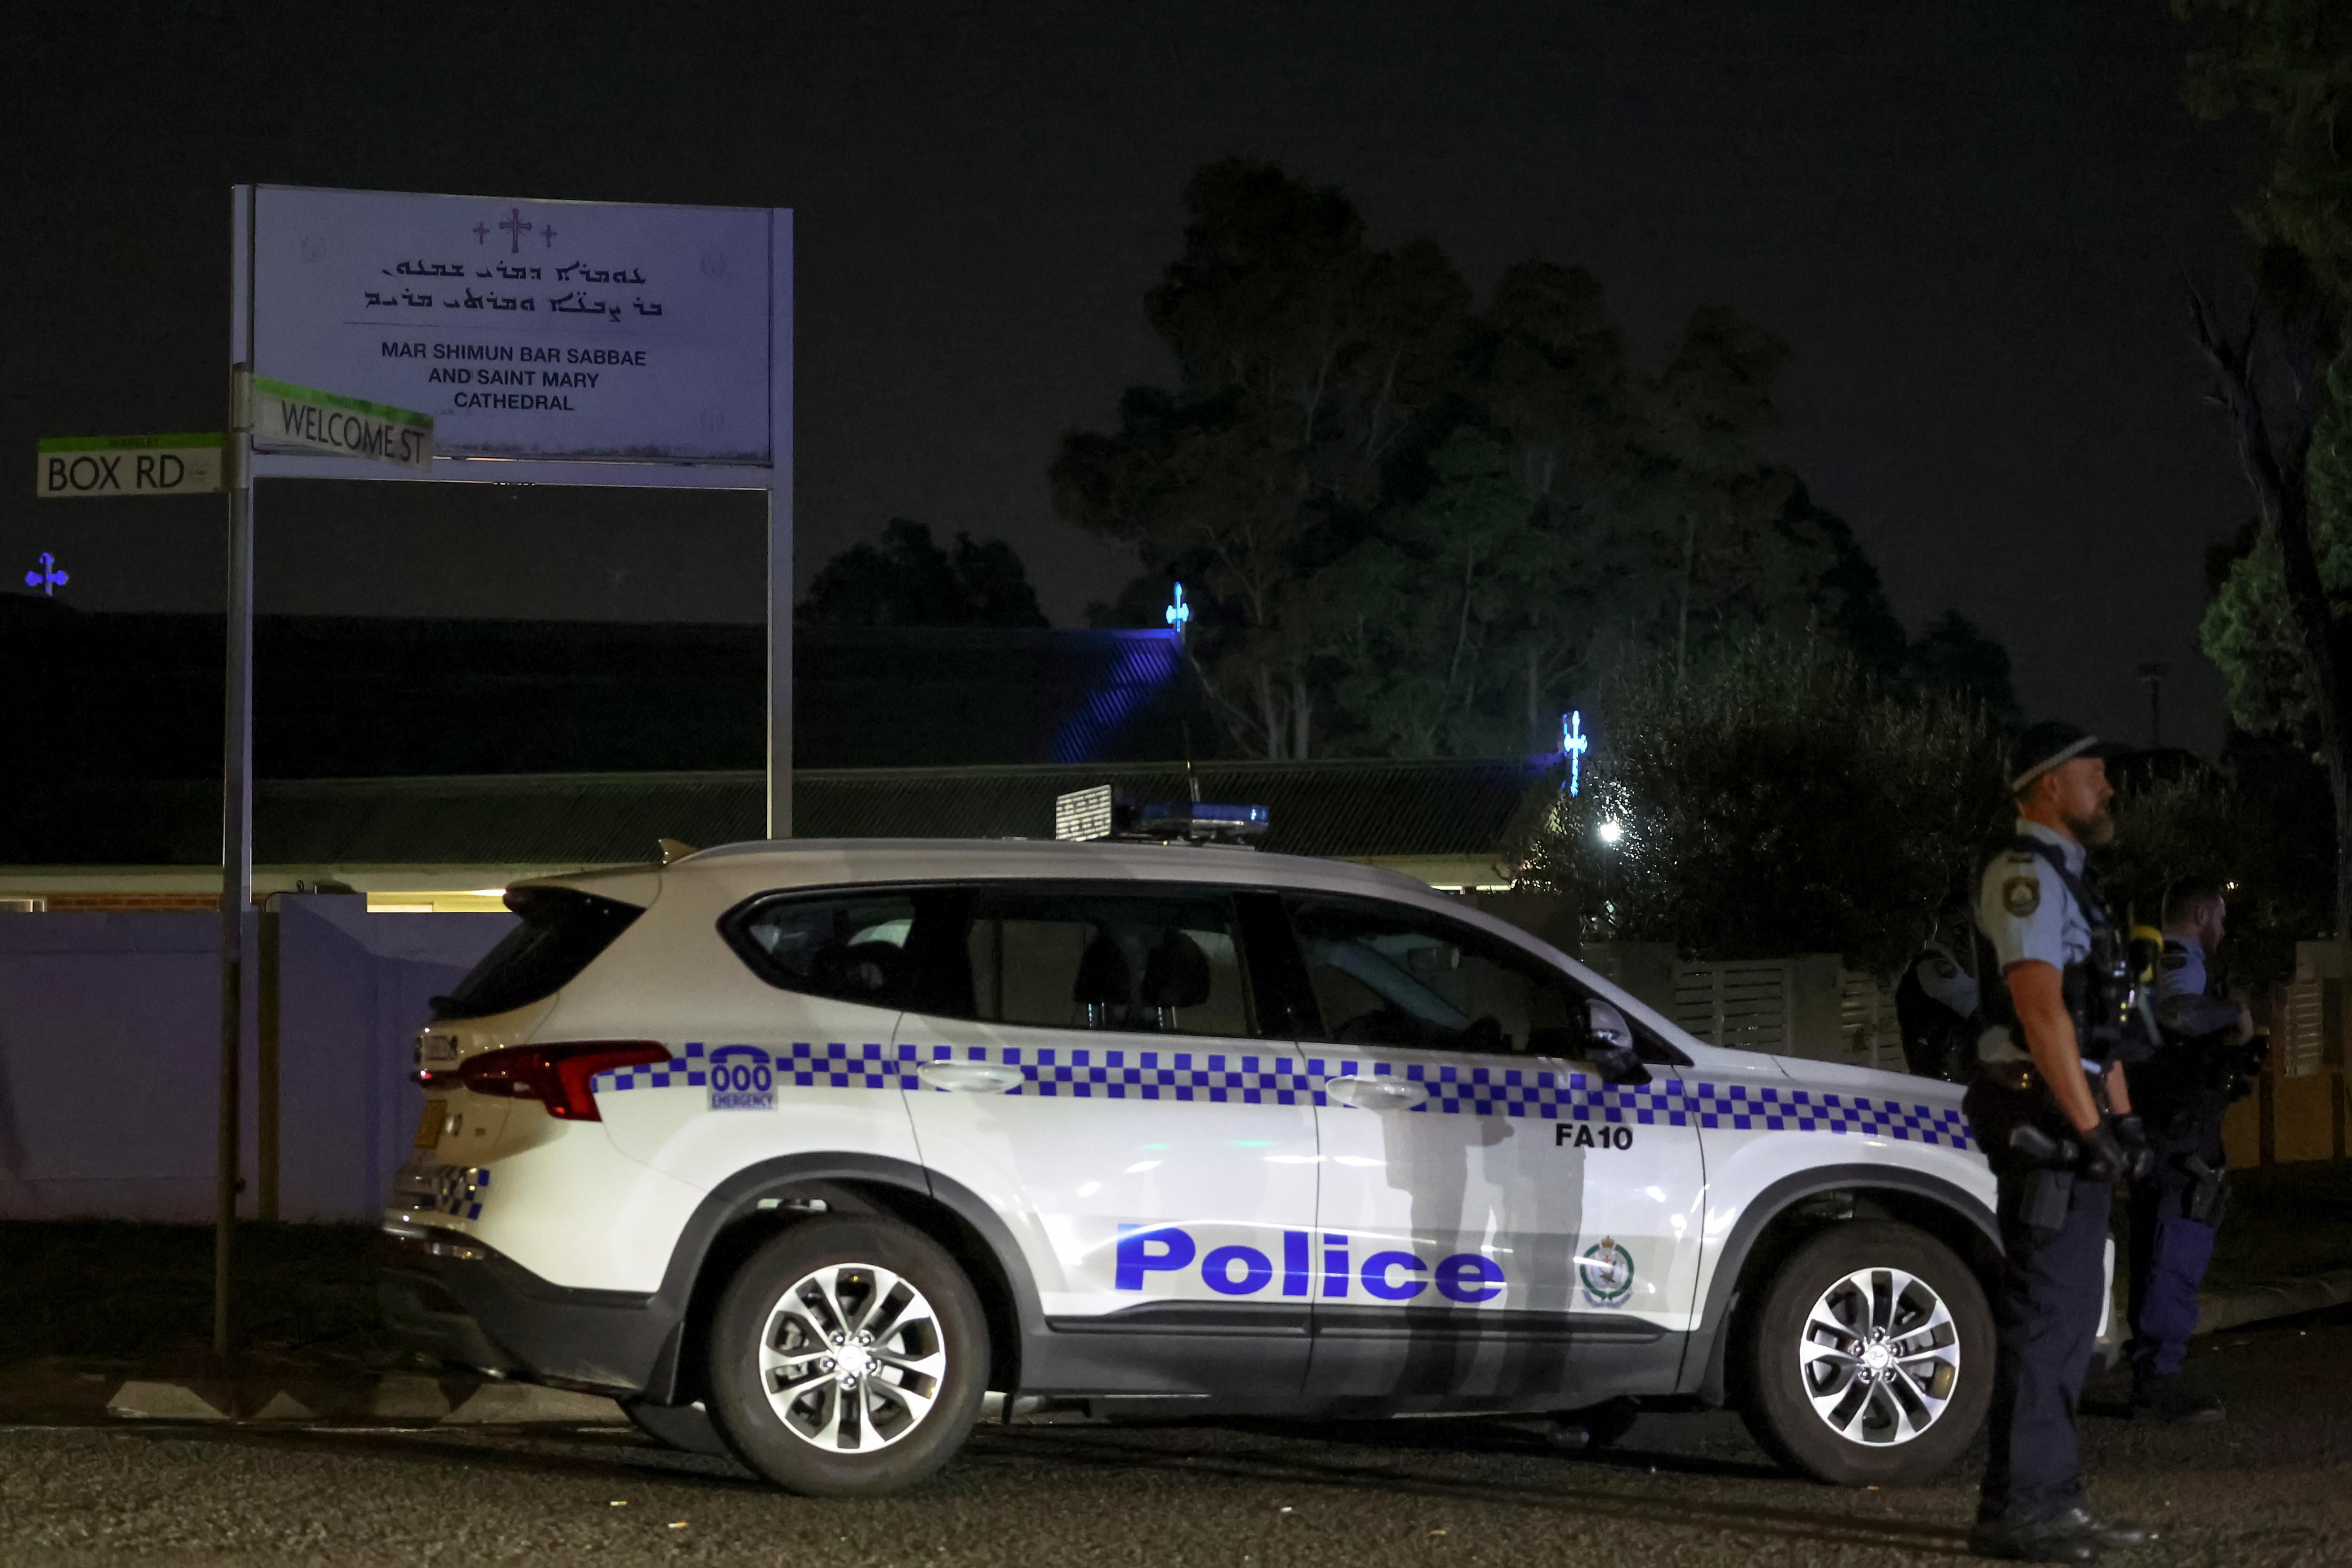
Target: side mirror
(1609,1043)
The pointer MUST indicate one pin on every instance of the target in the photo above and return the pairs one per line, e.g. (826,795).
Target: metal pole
(780,524)
(237,838)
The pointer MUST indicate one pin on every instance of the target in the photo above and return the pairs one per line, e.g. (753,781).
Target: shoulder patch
(2021,896)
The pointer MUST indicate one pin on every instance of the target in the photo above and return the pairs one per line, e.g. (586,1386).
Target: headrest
(1104,979)
(1176,975)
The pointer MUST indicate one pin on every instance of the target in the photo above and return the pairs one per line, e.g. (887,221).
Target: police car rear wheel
(848,1357)
(1871,1356)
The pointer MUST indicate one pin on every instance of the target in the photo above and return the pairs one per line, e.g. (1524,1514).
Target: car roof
(820,862)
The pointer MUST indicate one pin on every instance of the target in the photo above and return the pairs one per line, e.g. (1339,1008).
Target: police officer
(1936,1002)
(2051,1109)
(2177,1206)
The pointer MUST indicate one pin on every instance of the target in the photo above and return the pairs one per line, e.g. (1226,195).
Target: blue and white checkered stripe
(1218,1077)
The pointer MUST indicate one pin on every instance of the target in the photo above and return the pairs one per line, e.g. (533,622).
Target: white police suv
(804,1148)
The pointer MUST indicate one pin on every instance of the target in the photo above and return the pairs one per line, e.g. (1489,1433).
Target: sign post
(236,842)
(492,342)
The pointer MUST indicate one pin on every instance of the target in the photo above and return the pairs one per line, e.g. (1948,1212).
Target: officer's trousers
(2168,1253)
(2046,1321)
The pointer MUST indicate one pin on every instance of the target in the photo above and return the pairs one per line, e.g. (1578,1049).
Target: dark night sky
(1973,219)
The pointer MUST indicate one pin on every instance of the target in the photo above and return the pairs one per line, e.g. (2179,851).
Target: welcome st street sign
(176,465)
(308,419)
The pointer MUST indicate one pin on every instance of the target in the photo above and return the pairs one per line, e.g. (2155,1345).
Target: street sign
(184,465)
(308,419)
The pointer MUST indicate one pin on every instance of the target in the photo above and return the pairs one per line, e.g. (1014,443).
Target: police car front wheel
(1872,1356)
(848,1357)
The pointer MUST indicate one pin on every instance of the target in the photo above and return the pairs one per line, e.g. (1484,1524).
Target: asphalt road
(2272,1485)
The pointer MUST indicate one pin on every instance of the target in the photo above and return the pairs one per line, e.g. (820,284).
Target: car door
(1493,1220)
(1092,1070)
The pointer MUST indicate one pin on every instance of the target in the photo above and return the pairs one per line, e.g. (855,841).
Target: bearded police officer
(2051,1109)
(2207,1058)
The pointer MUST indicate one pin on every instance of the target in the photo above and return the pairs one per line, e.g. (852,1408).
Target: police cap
(2050,743)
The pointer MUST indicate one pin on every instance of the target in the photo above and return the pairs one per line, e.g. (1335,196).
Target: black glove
(2139,1158)
(2104,1156)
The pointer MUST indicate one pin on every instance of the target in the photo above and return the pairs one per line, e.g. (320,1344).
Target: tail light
(556,1076)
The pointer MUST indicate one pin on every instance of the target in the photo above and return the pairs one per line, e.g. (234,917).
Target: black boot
(2035,1541)
(2106,1537)
(2164,1401)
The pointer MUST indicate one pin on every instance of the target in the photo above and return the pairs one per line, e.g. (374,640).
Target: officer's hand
(2131,1132)
(2245,1023)
(2104,1156)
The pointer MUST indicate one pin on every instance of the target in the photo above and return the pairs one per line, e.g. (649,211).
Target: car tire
(686,1427)
(1870,1356)
(800,1398)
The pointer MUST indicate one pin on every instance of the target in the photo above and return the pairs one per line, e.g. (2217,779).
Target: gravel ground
(2271,1486)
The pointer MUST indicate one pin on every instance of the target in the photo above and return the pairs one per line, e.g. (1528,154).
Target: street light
(1611,831)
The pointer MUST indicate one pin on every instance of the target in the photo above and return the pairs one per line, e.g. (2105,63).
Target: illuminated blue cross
(48,579)
(1178,613)
(1573,742)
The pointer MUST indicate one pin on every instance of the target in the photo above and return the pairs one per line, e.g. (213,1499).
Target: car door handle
(972,1077)
(1375,1093)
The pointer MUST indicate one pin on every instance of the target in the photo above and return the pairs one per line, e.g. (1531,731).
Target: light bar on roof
(1096,813)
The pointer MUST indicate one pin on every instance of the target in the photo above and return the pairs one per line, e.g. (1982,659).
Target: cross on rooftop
(515,227)
(1178,613)
(48,579)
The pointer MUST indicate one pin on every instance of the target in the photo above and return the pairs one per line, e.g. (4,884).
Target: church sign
(579,331)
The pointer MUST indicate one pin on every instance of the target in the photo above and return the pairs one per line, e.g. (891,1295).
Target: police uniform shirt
(2183,1001)
(1942,978)
(2028,916)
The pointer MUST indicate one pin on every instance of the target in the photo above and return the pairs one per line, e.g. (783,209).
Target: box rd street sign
(285,415)
(180,465)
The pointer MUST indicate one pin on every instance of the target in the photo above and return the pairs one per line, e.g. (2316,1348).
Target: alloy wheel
(1881,1356)
(852,1358)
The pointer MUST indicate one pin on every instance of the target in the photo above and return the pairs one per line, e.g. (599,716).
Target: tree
(1953,656)
(1770,798)
(1407,526)
(908,581)
(1306,356)
(2282,376)
(2202,826)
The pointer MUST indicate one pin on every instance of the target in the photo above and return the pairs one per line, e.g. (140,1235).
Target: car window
(1151,963)
(853,947)
(1384,975)
(563,931)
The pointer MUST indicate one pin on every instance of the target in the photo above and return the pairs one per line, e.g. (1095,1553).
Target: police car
(806,1149)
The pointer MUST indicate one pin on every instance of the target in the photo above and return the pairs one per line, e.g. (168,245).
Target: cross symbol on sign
(1573,742)
(515,227)
(48,579)
(481,232)
(548,233)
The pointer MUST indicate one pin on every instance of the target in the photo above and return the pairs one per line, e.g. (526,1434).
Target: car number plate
(428,1131)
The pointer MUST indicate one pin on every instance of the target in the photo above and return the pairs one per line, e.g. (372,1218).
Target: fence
(110,1047)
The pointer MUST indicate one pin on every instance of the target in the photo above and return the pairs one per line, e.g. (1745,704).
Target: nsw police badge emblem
(1606,1270)
(2021,896)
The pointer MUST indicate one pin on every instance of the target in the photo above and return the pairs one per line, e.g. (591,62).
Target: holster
(2207,1197)
(2049,1193)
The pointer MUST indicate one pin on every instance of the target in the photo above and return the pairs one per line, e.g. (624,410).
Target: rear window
(854,947)
(563,932)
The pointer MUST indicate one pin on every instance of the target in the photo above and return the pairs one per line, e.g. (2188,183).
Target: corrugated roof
(1346,808)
